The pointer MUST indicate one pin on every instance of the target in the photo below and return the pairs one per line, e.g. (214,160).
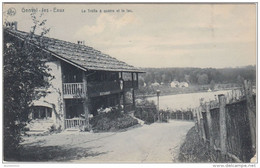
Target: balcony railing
(103,88)
(76,90)
(75,123)
(73,90)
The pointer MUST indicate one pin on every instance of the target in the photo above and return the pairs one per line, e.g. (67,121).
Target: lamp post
(158,95)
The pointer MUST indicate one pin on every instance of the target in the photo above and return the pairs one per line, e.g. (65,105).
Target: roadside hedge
(112,121)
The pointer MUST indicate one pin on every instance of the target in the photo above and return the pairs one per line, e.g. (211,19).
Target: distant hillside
(198,76)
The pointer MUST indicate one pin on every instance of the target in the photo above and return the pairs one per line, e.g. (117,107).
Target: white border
(68,164)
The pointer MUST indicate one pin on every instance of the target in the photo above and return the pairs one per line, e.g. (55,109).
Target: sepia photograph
(129,83)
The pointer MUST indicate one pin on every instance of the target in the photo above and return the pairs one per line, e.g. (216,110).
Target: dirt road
(153,143)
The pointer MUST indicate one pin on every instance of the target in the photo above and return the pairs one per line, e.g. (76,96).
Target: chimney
(81,42)
(15,25)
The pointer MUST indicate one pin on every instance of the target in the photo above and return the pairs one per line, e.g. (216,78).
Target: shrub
(112,121)
(164,115)
(146,111)
(53,129)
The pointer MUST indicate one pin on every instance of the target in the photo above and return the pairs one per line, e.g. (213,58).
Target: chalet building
(85,80)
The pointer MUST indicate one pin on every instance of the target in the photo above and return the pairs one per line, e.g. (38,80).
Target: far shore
(169,94)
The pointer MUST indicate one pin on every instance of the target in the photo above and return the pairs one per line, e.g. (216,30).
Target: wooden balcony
(76,90)
(75,123)
(73,90)
(103,88)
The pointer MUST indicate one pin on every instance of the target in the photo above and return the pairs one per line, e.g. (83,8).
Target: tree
(187,78)
(166,78)
(141,81)
(148,78)
(203,79)
(212,84)
(24,71)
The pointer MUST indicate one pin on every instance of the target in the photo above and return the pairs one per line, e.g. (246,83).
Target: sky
(153,35)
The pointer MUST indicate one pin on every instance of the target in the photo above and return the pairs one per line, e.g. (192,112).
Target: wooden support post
(85,99)
(182,115)
(251,112)
(209,125)
(137,80)
(119,99)
(222,123)
(132,74)
(133,98)
(133,91)
(124,101)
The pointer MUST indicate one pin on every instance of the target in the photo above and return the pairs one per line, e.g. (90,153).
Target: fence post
(203,134)
(209,124)
(195,120)
(198,119)
(222,123)
(251,112)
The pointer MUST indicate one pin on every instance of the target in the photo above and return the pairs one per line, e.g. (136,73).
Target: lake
(184,101)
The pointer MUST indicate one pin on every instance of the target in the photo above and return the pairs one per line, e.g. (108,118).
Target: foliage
(194,150)
(112,121)
(146,111)
(199,75)
(203,79)
(24,70)
(212,84)
(164,115)
(54,129)
(167,89)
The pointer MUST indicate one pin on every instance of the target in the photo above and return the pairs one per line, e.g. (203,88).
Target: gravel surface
(155,143)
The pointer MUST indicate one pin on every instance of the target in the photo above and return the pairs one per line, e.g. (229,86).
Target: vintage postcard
(129,83)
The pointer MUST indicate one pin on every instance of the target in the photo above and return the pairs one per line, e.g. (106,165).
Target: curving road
(155,143)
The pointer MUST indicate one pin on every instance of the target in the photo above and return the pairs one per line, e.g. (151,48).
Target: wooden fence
(228,123)
(181,115)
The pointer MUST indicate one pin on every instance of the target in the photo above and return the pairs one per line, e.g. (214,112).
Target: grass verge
(194,150)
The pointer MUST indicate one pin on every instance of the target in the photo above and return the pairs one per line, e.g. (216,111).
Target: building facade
(83,81)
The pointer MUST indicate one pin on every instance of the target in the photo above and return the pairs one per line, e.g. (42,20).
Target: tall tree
(24,71)
(203,79)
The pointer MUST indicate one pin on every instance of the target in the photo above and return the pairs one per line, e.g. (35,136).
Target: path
(158,142)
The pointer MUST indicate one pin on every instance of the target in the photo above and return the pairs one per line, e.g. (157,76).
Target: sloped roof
(85,57)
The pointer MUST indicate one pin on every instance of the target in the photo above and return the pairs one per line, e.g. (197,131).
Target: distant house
(85,80)
(174,84)
(183,84)
(155,84)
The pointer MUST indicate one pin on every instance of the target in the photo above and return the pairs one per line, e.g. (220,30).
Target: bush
(53,129)
(146,111)
(112,121)
(164,115)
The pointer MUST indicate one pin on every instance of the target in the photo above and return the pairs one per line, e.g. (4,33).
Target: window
(41,112)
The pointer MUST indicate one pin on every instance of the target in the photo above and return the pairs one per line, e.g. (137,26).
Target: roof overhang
(71,62)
